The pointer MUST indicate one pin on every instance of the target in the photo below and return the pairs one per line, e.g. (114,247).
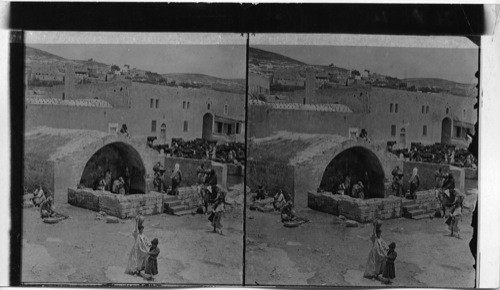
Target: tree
(114,68)
(355,73)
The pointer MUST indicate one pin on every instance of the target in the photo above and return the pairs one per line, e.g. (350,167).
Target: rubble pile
(436,153)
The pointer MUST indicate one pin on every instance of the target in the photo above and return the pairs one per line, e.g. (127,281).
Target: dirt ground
(84,249)
(324,253)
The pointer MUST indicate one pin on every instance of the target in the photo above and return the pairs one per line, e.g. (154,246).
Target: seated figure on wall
(119,186)
(358,190)
(345,187)
(124,130)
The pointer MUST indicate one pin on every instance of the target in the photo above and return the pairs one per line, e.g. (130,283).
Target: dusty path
(84,249)
(324,253)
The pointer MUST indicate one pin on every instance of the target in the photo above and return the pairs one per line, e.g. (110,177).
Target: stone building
(146,109)
(387,114)
(258,84)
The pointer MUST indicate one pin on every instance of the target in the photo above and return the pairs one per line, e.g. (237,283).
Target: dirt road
(84,249)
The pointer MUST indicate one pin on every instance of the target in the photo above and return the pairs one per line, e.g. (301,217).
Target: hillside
(37,56)
(268,63)
(450,86)
(271,57)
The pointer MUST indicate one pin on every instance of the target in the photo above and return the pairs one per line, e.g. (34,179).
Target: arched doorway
(117,157)
(360,164)
(163,133)
(208,120)
(446,131)
(402,137)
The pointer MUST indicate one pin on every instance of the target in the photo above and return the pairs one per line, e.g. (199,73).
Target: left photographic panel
(134,154)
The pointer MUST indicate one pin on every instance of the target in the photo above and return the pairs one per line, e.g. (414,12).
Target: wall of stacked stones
(273,176)
(189,196)
(369,209)
(127,206)
(427,200)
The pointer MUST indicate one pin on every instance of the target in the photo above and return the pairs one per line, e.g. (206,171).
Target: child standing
(390,270)
(152,263)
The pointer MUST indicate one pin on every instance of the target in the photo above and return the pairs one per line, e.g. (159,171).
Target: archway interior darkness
(207,126)
(357,162)
(446,131)
(116,157)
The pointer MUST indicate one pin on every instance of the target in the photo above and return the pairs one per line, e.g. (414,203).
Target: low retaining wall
(470,173)
(122,206)
(189,196)
(369,209)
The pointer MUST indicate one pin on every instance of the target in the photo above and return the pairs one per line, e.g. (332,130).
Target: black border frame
(389,19)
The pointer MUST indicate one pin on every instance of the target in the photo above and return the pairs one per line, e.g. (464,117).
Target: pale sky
(223,61)
(454,64)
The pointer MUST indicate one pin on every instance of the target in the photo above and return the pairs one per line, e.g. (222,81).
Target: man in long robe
(139,254)
(376,258)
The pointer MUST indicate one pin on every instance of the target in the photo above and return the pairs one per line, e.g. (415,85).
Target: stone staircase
(173,205)
(423,207)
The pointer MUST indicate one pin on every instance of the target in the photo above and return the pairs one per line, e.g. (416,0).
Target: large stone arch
(308,175)
(361,164)
(75,165)
(118,157)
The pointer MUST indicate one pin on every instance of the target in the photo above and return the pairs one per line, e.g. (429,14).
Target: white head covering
(414,174)
(176,169)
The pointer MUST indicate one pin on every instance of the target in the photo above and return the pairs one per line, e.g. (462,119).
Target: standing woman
(414,183)
(139,253)
(377,257)
(176,178)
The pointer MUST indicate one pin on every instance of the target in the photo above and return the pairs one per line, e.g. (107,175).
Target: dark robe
(390,270)
(152,263)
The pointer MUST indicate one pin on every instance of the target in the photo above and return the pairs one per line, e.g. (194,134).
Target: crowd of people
(232,153)
(436,153)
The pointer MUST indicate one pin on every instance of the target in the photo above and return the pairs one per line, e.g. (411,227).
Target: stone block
(85,198)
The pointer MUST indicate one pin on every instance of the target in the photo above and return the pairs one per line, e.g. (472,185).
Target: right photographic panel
(358,162)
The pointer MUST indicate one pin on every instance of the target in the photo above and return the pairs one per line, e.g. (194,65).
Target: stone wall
(356,209)
(38,171)
(235,174)
(471,173)
(188,168)
(271,175)
(126,206)
(369,209)
(189,196)
(426,172)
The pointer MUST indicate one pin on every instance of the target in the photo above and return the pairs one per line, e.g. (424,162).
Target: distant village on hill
(287,75)
(46,70)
